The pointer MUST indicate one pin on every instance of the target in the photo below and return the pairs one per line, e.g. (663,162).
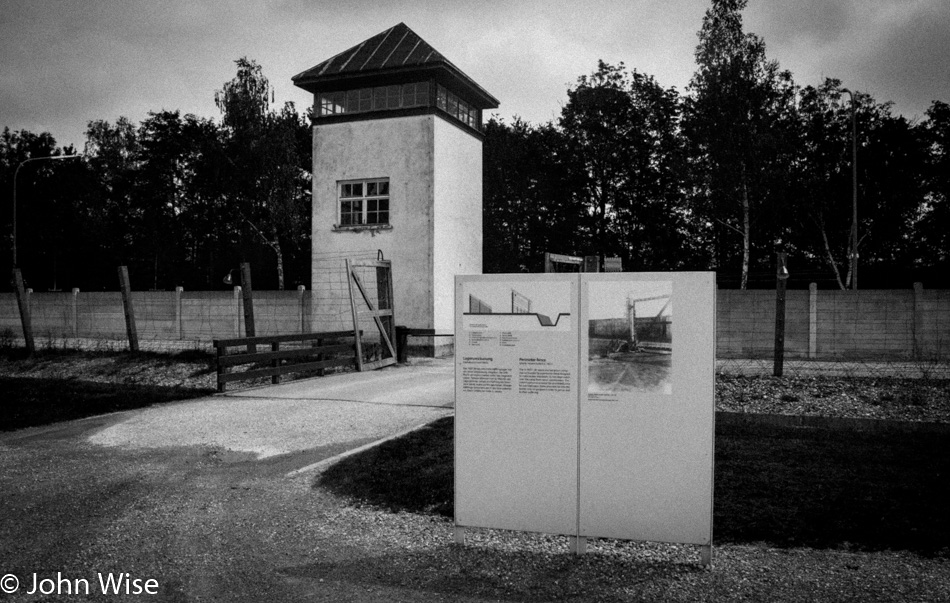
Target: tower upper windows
(377,98)
(400,96)
(457,108)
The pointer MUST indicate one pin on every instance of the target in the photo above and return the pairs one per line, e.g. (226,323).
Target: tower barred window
(364,202)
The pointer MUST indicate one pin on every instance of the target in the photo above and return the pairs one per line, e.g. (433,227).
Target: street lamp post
(854,193)
(17,173)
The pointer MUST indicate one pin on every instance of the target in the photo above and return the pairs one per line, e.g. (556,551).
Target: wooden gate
(380,310)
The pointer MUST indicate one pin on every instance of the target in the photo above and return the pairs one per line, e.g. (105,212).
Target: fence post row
(919,320)
(70,312)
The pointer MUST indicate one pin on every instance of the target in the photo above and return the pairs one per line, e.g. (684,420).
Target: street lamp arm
(16,173)
(50,158)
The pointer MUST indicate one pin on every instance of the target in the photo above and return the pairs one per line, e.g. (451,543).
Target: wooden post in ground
(384,301)
(275,363)
(249,330)
(632,321)
(220,369)
(23,302)
(129,310)
(781,280)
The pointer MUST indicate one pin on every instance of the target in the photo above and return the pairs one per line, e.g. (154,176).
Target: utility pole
(781,282)
(854,193)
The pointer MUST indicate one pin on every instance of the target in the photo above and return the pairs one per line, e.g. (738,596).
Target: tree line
(179,199)
(743,164)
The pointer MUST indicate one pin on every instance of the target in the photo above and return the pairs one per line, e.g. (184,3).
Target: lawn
(786,487)
(63,385)
(41,401)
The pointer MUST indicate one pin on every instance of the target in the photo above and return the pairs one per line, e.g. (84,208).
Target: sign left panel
(516,410)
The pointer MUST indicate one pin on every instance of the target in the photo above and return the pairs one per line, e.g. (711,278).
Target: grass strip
(29,402)
(413,473)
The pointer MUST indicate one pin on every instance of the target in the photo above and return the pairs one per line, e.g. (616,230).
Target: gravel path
(213,524)
(209,526)
(888,398)
(263,427)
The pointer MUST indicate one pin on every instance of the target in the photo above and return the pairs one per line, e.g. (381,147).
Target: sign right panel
(647,406)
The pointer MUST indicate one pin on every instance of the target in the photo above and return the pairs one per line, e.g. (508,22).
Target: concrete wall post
(178,319)
(920,333)
(301,300)
(74,312)
(237,311)
(812,320)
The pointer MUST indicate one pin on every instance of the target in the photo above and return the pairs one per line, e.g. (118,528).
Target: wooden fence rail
(402,339)
(312,352)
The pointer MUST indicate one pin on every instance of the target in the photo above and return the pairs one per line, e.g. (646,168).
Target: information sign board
(585,404)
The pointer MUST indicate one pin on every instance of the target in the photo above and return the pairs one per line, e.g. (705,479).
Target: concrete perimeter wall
(821,325)
(159,315)
(884,324)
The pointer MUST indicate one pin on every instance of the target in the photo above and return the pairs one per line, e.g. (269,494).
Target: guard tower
(397,167)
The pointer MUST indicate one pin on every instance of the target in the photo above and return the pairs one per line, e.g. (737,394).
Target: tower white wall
(400,149)
(457,238)
(435,223)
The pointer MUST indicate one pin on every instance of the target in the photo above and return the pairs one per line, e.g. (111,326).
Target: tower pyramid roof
(398,50)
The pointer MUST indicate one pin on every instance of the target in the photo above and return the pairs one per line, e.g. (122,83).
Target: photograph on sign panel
(630,337)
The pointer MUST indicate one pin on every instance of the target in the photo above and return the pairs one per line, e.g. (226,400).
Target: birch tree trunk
(280,264)
(831,258)
(745,231)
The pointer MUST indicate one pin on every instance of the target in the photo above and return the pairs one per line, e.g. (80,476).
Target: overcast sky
(66,62)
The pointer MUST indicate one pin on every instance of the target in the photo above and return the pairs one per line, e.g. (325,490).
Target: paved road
(319,417)
(213,498)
